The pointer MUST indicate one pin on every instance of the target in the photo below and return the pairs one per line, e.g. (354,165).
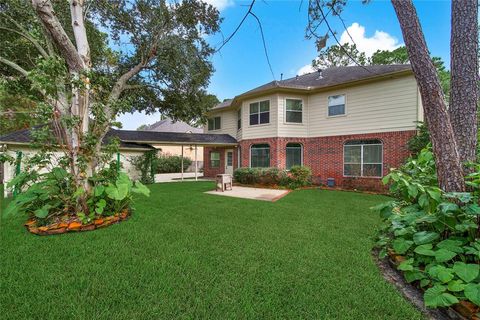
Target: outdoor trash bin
(223,182)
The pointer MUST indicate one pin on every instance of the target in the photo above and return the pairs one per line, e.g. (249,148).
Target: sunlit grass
(185,254)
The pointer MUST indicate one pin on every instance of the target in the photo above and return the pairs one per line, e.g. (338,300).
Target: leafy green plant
(147,165)
(172,164)
(297,176)
(436,232)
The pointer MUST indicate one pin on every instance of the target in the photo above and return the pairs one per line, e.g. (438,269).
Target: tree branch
(46,14)
(29,38)
(14,66)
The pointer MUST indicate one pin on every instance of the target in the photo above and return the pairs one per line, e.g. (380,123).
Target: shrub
(436,232)
(295,178)
(147,165)
(172,164)
(299,176)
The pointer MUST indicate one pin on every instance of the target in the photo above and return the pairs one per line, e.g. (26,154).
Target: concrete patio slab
(252,193)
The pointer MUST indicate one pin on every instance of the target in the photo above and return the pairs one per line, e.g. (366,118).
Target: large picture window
(293,110)
(294,154)
(260,156)
(214,123)
(260,112)
(363,158)
(214,159)
(336,105)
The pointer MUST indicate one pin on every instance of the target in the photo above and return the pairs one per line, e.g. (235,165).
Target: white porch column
(196,164)
(182,162)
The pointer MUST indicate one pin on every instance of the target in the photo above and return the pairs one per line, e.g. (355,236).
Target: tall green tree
(151,55)
(339,56)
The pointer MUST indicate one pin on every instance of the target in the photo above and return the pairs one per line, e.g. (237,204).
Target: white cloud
(379,41)
(305,69)
(220,4)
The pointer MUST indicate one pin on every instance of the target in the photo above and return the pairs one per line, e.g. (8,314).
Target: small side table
(223,182)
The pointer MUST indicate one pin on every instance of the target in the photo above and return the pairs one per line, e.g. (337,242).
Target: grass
(185,254)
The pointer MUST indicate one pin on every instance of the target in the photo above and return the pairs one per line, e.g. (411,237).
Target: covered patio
(184,140)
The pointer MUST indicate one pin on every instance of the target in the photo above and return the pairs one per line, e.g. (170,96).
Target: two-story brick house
(350,124)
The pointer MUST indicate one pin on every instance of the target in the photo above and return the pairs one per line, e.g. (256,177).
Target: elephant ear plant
(52,197)
(436,232)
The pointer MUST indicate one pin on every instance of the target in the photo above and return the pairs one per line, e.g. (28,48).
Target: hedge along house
(132,143)
(350,125)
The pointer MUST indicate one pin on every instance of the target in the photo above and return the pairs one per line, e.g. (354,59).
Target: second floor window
(293,110)
(214,124)
(336,105)
(260,112)
(239,119)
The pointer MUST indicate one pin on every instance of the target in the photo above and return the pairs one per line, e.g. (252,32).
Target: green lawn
(185,254)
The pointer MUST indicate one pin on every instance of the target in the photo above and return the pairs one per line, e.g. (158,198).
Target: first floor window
(214,159)
(336,105)
(363,158)
(293,110)
(214,124)
(294,155)
(260,155)
(260,112)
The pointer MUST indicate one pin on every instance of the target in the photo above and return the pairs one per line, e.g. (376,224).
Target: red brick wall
(324,155)
(212,172)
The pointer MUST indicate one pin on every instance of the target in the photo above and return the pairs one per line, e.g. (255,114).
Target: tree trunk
(464,77)
(449,169)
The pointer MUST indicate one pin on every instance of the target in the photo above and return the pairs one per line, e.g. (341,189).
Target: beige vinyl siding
(286,129)
(260,130)
(389,105)
(228,122)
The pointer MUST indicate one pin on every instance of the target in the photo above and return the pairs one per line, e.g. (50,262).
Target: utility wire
(250,12)
(338,42)
(237,28)
(264,44)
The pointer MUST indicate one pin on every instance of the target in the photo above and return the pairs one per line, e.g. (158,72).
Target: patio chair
(223,182)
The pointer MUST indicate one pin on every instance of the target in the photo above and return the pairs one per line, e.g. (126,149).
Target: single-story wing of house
(132,143)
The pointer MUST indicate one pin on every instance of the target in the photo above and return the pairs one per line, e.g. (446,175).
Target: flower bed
(74,225)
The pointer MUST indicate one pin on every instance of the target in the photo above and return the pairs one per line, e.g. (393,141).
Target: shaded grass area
(185,254)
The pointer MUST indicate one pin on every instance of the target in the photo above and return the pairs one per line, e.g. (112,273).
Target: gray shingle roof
(168,125)
(329,77)
(24,136)
(174,137)
(139,139)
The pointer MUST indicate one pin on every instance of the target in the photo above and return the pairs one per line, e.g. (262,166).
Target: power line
(338,42)
(237,28)
(264,44)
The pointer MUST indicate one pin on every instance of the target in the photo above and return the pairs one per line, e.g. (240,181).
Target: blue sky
(241,65)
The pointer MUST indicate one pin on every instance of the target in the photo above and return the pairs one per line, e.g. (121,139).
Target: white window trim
(219,159)
(250,155)
(285,111)
(361,161)
(346,110)
(301,154)
(269,111)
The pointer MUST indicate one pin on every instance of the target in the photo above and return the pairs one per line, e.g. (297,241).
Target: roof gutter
(185,143)
(28,144)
